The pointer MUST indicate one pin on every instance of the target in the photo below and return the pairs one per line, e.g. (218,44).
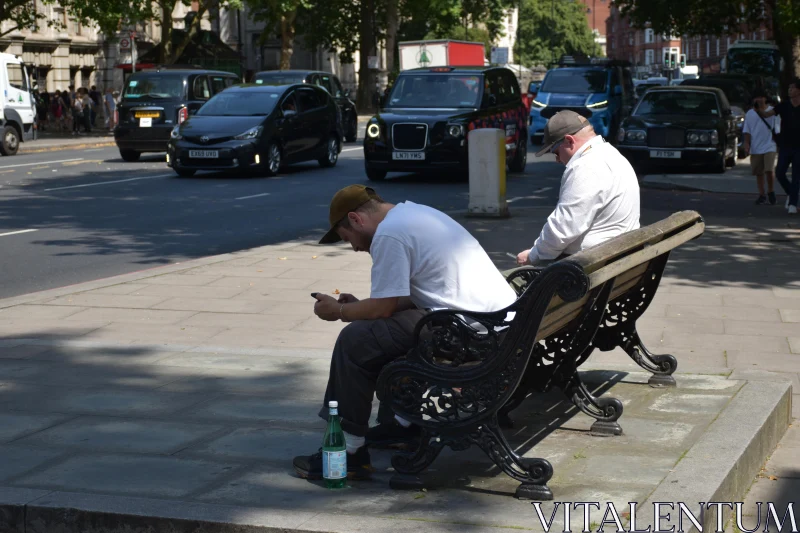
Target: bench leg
(532,473)
(662,366)
(606,411)
(409,465)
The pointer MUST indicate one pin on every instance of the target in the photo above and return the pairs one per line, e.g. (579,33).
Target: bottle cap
(333,403)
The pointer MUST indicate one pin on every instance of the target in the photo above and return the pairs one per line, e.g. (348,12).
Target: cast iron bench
(468,370)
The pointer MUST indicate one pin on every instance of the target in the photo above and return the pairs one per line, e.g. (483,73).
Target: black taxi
(424,122)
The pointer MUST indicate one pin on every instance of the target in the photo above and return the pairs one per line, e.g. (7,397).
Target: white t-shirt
(760,137)
(598,200)
(420,252)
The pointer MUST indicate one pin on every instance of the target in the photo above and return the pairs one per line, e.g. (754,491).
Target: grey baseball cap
(559,126)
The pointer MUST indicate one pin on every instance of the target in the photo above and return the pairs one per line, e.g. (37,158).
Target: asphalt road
(77,215)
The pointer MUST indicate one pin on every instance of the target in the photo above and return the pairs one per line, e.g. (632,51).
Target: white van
(17,110)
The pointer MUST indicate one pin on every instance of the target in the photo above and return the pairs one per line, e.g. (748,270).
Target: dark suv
(424,123)
(327,81)
(155,101)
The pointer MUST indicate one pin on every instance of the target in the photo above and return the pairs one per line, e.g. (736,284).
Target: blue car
(603,94)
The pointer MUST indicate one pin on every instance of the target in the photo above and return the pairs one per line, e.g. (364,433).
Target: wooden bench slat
(556,314)
(546,331)
(620,290)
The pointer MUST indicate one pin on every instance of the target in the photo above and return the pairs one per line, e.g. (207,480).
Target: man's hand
(522,257)
(327,308)
(746,147)
(345,298)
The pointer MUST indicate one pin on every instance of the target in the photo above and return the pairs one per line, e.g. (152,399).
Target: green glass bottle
(334,451)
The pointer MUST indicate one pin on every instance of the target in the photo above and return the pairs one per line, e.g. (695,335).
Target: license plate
(146,114)
(408,156)
(665,154)
(145,122)
(204,154)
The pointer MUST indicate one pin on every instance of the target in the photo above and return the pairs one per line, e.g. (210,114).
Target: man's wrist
(341,313)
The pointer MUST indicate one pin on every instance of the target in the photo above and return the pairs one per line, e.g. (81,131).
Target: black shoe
(761,200)
(391,434)
(772,199)
(358,465)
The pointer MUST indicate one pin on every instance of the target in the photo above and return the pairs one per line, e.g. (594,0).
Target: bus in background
(755,57)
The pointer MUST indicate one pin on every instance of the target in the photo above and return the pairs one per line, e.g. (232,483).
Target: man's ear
(355,219)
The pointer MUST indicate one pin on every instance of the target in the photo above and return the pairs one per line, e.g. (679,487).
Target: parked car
(327,81)
(424,123)
(154,101)
(258,127)
(680,126)
(602,93)
(739,95)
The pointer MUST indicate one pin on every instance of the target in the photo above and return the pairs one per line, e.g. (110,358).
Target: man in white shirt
(759,143)
(599,196)
(422,260)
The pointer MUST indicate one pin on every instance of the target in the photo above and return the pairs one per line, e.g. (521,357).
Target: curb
(135,276)
(60,147)
(722,465)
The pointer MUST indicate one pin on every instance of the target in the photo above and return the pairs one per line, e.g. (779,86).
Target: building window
(648,35)
(708,47)
(698,49)
(717,47)
(649,57)
(763,34)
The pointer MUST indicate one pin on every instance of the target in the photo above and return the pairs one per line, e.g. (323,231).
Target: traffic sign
(499,55)
(124,44)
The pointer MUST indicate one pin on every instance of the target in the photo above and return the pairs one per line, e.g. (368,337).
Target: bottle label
(334,465)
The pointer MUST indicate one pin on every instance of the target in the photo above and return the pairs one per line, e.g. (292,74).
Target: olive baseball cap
(559,126)
(345,201)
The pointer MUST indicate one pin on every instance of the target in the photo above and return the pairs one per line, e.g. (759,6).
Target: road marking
(254,196)
(17,232)
(41,167)
(6,171)
(108,182)
(352,149)
(94,150)
(532,197)
(42,163)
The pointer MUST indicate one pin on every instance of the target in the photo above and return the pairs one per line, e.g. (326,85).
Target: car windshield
(240,104)
(435,90)
(154,86)
(754,61)
(677,103)
(575,81)
(278,79)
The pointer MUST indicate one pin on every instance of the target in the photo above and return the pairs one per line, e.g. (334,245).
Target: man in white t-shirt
(599,196)
(422,260)
(759,143)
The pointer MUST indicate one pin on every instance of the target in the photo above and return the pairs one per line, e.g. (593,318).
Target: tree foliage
(550,29)
(21,13)
(281,16)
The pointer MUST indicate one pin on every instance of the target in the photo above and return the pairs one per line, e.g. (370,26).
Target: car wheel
(374,174)
(332,150)
(520,157)
(719,165)
(731,161)
(130,155)
(273,159)
(184,172)
(352,129)
(10,143)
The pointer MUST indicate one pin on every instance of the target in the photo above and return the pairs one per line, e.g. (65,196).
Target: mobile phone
(314,295)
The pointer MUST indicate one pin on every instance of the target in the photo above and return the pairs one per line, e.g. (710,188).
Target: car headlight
(598,105)
(702,137)
(537,103)
(635,136)
(175,133)
(693,138)
(373,130)
(455,130)
(252,133)
(714,137)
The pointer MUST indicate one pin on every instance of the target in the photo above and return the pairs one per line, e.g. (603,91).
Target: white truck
(17,108)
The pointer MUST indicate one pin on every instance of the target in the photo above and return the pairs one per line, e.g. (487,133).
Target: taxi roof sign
(441,69)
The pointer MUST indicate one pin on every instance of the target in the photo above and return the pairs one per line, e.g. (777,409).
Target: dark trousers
(785,157)
(363,348)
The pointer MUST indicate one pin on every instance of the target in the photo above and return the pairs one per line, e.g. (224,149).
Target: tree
(170,52)
(551,29)
(283,16)
(717,17)
(109,15)
(21,13)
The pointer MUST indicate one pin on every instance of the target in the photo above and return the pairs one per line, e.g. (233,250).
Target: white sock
(403,422)
(353,443)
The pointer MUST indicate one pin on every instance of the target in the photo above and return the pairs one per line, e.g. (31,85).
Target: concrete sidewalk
(191,386)
(50,142)
(738,179)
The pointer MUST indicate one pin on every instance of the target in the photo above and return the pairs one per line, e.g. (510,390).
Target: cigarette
(512,256)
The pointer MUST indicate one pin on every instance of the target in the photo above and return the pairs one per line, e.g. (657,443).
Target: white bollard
(487,173)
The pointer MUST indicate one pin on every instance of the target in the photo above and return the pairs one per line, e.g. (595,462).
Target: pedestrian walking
(788,143)
(77,114)
(109,108)
(88,106)
(759,143)
(94,94)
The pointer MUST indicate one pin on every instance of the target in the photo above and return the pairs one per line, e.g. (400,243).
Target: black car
(258,127)
(424,123)
(739,95)
(327,81)
(680,126)
(154,101)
